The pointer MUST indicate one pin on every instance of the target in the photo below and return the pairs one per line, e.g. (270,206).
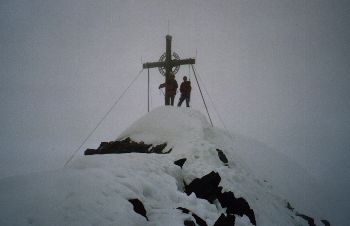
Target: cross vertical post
(168,67)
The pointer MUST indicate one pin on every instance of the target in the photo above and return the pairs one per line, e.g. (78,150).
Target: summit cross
(168,63)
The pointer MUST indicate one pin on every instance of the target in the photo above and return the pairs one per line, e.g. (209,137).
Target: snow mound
(168,124)
(95,190)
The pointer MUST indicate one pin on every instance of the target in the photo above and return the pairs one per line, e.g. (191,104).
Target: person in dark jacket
(170,90)
(185,89)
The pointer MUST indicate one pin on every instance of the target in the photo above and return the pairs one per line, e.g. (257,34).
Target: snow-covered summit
(97,189)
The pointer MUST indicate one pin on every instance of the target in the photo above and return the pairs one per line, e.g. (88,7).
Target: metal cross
(168,63)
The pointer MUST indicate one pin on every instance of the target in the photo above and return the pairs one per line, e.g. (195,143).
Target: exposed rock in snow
(206,187)
(237,206)
(139,207)
(198,220)
(309,220)
(222,156)
(225,220)
(126,146)
(326,222)
(180,162)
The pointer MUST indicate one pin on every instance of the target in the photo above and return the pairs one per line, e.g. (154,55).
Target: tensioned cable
(200,90)
(104,117)
(214,106)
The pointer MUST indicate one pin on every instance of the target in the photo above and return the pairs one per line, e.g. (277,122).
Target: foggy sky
(277,71)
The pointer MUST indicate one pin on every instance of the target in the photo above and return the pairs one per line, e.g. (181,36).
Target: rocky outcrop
(208,188)
(236,206)
(310,220)
(199,221)
(139,207)
(222,157)
(180,162)
(126,146)
(225,220)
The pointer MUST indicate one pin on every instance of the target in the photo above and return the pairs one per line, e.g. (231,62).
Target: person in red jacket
(185,89)
(170,90)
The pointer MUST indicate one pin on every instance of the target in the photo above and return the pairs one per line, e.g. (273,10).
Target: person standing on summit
(170,90)
(185,89)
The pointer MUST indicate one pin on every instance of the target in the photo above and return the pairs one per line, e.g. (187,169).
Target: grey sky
(278,72)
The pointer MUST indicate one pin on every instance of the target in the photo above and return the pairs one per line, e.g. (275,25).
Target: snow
(94,190)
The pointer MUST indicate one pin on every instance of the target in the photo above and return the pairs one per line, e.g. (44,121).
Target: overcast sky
(277,71)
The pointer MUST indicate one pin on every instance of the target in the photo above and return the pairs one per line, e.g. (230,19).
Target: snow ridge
(95,190)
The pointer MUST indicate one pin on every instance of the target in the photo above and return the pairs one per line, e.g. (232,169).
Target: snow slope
(285,176)
(94,190)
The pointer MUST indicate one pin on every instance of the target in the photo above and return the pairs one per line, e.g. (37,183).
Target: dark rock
(158,149)
(184,210)
(309,220)
(326,222)
(289,206)
(166,152)
(208,188)
(205,187)
(139,207)
(222,156)
(237,206)
(199,220)
(90,151)
(189,223)
(126,146)
(180,162)
(225,220)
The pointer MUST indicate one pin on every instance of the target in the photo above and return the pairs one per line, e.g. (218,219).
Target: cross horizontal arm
(182,62)
(153,64)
